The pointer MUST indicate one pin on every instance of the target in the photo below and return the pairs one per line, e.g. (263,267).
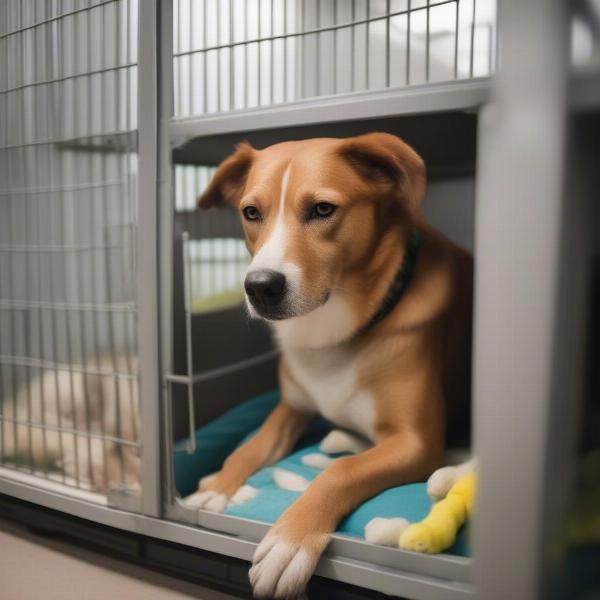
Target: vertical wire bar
(272,55)
(205,54)
(490,49)
(367,43)
(3,385)
(456,26)
(52,197)
(335,39)
(259,52)
(127,234)
(285,51)
(190,58)
(10,172)
(387,43)
(218,52)
(318,55)
(125,170)
(106,219)
(246,60)
(302,50)
(352,47)
(28,268)
(427,40)
(62,236)
(231,59)
(187,286)
(36,224)
(96,197)
(10,265)
(78,264)
(408,14)
(179,61)
(472,57)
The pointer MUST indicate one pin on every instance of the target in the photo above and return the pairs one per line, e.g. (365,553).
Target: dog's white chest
(330,380)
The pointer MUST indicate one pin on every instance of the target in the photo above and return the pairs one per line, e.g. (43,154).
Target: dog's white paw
(243,495)
(280,569)
(209,500)
(341,441)
(316,460)
(385,532)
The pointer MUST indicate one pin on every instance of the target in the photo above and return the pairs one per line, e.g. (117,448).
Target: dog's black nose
(265,287)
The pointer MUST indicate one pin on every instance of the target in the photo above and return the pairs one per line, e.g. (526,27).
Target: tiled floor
(34,568)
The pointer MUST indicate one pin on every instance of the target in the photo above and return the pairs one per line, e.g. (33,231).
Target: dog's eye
(322,210)
(251,213)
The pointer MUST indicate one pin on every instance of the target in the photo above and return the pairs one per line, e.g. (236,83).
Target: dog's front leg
(274,440)
(287,556)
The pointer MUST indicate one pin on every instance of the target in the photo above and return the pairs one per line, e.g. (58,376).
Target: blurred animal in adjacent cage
(81,420)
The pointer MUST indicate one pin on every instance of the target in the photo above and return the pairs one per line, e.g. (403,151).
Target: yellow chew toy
(437,531)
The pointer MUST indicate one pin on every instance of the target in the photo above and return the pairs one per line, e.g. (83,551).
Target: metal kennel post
(121,177)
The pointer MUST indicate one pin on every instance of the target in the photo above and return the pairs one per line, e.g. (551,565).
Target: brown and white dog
(328,223)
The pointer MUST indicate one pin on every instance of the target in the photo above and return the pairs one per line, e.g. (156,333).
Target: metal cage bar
(528,344)
(147,252)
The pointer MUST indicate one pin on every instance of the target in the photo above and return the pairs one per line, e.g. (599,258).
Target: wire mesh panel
(68,367)
(237,54)
(218,258)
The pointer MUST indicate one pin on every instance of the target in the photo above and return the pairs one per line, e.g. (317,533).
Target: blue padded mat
(215,441)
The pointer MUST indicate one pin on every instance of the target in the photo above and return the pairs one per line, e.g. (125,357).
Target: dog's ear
(387,161)
(228,182)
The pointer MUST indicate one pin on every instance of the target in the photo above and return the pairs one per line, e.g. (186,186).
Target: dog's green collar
(400,282)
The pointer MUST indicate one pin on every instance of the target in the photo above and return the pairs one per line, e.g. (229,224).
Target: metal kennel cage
(68,308)
(114,114)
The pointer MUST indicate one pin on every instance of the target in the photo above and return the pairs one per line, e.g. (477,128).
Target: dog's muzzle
(267,289)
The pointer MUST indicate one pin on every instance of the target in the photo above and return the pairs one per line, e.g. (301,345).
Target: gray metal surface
(147,256)
(529,306)
(394,581)
(453,568)
(439,97)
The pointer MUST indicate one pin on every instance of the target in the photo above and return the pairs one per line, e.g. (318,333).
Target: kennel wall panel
(68,261)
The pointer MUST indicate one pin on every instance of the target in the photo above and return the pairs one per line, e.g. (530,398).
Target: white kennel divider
(509,561)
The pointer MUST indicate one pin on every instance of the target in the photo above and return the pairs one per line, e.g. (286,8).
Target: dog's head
(314,213)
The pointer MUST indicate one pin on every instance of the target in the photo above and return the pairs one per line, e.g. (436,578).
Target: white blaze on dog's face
(316,214)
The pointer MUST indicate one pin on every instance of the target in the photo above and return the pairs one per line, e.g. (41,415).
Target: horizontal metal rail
(73,187)
(57,248)
(69,306)
(461,94)
(23,86)
(35,363)
(65,141)
(71,431)
(221,371)
(57,18)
